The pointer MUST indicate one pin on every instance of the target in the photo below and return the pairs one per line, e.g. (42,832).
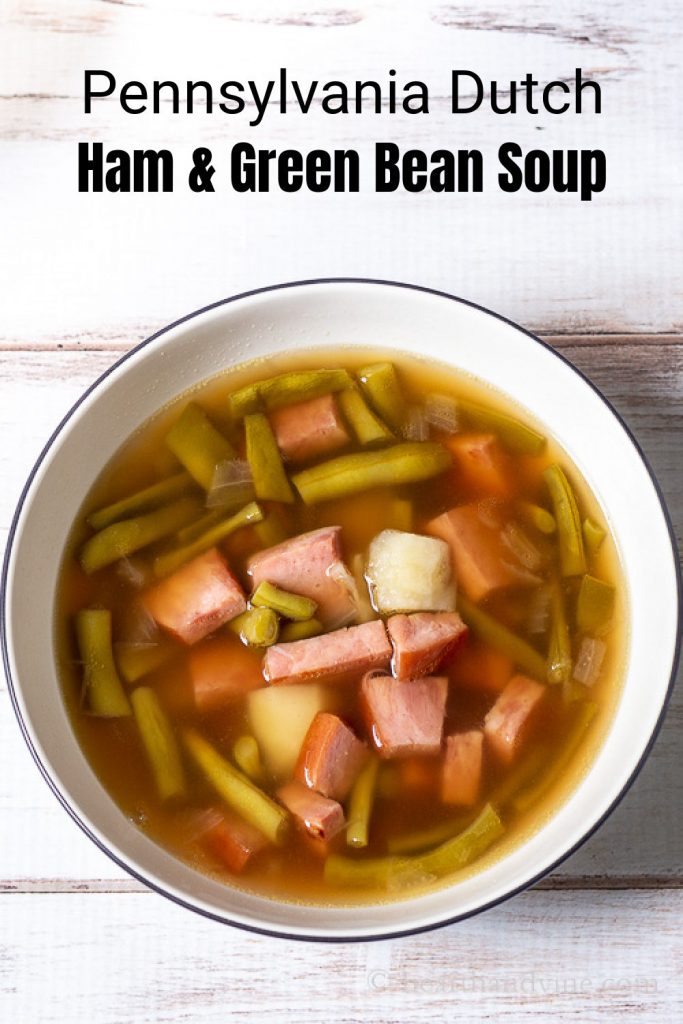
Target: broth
(523,776)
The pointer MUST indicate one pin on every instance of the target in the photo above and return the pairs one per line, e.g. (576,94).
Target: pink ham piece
(404,717)
(311,565)
(222,670)
(309,429)
(318,815)
(511,717)
(230,839)
(331,757)
(423,641)
(462,765)
(197,599)
(481,561)
(354,649)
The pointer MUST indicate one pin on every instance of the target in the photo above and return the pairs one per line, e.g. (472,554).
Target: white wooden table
(86,276)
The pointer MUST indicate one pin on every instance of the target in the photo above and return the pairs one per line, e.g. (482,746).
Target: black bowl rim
(282,933)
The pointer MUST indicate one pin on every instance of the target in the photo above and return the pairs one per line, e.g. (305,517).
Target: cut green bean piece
(263,455)
(257,627)
(593,535)
(538,517)
(238,791)
(519,776)
(504,640)
(349,474)
(288,389)
(123,538)
(360,804)
(382,388)
(594,605)
(585,714)
(141,501)
(159,742)
(137,660)
(171,560)
(514,435)
(196,443)
(248,757)
(569,535)
(292,631)
(290,606)
(102,689)
(271,531)
(559,647)
(194,530)
(366,426)
(423,839)
(394,871)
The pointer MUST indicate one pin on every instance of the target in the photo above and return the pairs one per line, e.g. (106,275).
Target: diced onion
(132,572)
(416,427)
(441,412)
(524,549)
(539,612)
(232,485)
(341,575)
(589,662)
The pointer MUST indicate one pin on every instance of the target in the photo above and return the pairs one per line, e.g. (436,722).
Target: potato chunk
(280,718)
(410,573)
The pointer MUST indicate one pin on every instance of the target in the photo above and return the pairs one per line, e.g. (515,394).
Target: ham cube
(423,641)
(404,717)
(331,757)
(482,469)
(318,815)
(197,599)
(311,565)
(482,563)
(479,667)
(355,649)
(231,840)
(309,429)
(462,765)
(221,671)
(508,722)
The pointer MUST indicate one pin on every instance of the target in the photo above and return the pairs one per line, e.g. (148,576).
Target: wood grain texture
(565,956)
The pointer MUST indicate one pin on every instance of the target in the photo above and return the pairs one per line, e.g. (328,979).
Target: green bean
(238,791)
(349,474)
(519,776)
(129,535)
(159,742)
(172,559)
(514,435)
(593,535)
(271,531)
(141,501)
(381,385)
(423,839)
(135,660)
(290,606)
(194,440)
(452,855)
(360,804)
(287,389)
(559,647)
(193,530)
(257,627)
(584,716)
(570,538)
(263,454)
(248,757)
(367,427)
(499,636)
(594,605)
(103,691)
(292,631)
(538,517)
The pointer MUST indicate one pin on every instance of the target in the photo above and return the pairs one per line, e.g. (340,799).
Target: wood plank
(546,260)
(131,957)
(644,380)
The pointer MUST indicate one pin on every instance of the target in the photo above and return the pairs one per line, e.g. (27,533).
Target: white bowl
(330,313)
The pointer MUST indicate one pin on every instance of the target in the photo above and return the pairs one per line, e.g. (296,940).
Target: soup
(339,627)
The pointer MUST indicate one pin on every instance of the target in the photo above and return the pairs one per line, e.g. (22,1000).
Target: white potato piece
(280,717)
(407,572)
